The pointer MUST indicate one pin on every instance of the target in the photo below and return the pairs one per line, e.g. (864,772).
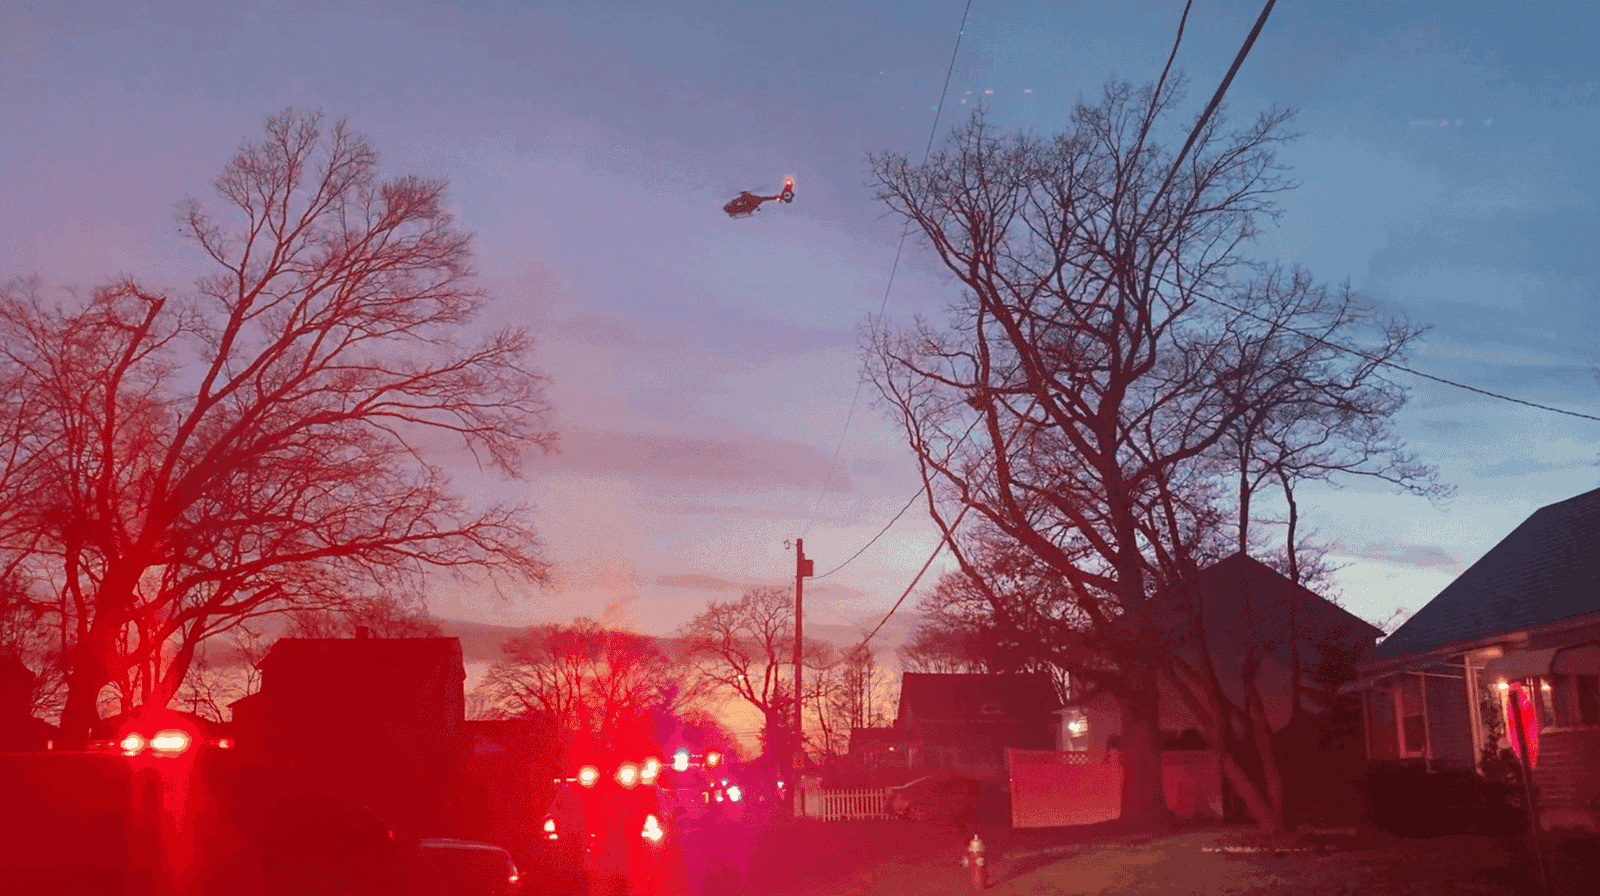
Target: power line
(1397,366)
(874,538)
(855,399)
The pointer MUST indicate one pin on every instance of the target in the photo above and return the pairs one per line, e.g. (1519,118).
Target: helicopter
(746,203)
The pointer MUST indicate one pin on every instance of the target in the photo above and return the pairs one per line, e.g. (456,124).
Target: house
(966,721)
(879,748)
(1302,646)
(1522,625)
(19,730)
(1305,643)
(382,721)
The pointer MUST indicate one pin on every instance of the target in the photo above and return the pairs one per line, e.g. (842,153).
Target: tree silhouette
(274,442)
(1111,335)
(602,688)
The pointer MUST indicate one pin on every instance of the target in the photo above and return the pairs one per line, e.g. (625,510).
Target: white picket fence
(845,805)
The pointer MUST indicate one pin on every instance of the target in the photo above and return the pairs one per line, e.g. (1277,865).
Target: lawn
(902,859)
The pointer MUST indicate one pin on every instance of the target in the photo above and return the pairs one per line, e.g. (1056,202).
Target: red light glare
(588,775)
(628,775)
(170,742)
(652,829)
(132,745)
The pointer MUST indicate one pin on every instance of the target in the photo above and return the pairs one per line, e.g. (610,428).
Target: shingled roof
(973,695)
(1546,570)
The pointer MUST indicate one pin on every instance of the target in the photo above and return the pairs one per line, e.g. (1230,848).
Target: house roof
(1546,570)
(329,655)
(976,695)
(1269,606)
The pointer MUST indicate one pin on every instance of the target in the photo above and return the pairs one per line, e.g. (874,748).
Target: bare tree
(1087,370)
(602,687)
(186,465)
(29,632)
(742,648)
(1012,617)
(1327,412)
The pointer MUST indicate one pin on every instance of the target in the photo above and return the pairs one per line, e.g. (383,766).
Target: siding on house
(1449,722)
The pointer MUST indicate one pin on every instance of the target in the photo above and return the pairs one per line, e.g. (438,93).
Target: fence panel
(848,805)
(1051,789)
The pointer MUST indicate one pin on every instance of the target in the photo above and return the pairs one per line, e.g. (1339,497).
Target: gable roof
(1546,570)
(1248,604)
(325,655)
(976,695)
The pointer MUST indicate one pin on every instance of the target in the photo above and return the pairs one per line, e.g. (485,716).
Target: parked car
(445,867)
(940,799)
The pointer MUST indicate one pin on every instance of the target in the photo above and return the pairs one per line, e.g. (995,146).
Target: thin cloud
(1417,556)
(737,463)
(696,582)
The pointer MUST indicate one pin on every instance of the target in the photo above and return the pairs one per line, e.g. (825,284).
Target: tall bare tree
(275,441)
(1086,359)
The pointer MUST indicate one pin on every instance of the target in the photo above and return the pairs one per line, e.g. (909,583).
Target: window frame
(1401,716)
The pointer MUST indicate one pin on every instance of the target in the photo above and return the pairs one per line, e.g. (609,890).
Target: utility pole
(802,568)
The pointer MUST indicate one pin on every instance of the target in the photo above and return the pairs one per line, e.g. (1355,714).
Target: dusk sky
(704,368)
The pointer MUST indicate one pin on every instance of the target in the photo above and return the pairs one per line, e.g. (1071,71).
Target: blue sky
(704,367)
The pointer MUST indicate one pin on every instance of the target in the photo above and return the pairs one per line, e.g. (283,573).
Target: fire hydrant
(975,865)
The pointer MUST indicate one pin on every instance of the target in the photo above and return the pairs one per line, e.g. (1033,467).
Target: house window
(1575,700)
(1408,700)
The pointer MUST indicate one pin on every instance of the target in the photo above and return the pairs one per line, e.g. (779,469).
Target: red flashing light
(550,829)
(170,742)
(132,744)
(588,775)
(652,829)
(628,775)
